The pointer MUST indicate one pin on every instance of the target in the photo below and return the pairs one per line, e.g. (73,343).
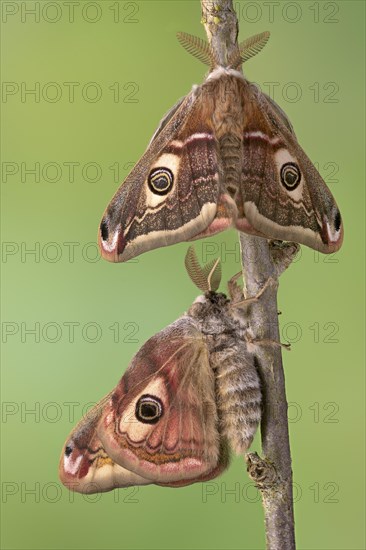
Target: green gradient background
(154,290)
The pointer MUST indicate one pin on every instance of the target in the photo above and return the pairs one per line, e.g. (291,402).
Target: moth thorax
(211,312)
(228,108)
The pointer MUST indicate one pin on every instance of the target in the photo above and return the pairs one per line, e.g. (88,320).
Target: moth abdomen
(238,394)
(231,155)
(239,422)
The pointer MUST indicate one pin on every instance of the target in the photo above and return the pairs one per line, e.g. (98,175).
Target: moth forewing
(85,467)
(171,195)
(161,420)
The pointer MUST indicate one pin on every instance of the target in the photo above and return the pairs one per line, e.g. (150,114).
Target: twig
(261,261)
(273,473)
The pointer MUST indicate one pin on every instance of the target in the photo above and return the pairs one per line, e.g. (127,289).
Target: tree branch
(263,261)
(273,473)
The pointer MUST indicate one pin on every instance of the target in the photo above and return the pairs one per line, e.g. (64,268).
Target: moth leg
(233,291)
(268,342)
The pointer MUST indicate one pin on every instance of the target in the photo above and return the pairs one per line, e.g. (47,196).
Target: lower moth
(189,395)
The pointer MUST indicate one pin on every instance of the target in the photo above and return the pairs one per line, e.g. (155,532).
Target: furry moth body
(190,393)
(224,156)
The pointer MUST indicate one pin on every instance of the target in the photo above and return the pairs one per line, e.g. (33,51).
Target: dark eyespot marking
(337,221)
(149,409)
(160,181)
(68,450)
(104,230)
(290,175)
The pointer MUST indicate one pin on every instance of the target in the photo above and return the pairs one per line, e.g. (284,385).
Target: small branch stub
(283,254)
(261,471)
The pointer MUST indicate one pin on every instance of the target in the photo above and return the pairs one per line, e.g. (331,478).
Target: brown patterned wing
(85,467)
(284,197)
(161,421)
(121,436)
(171,195)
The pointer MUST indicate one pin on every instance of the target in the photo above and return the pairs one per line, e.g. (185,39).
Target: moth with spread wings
(224,156)
(191,392)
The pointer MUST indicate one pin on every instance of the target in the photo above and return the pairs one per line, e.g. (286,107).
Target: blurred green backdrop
(102,75)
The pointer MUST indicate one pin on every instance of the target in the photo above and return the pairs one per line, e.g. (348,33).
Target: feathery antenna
(197,47)
(201,50)
(205,278)
(249,48)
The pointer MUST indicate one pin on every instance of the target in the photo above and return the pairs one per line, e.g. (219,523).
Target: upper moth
(224,156)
